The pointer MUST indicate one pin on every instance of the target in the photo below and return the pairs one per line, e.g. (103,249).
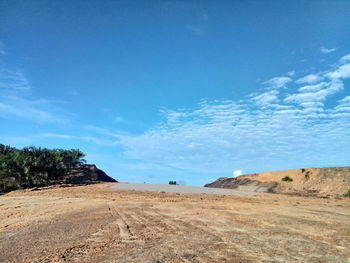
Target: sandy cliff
(309,181)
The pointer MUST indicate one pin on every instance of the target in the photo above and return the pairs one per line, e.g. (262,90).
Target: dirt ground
(98,224)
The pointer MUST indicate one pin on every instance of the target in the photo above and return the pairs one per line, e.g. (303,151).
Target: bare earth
(99,224)
(181,189)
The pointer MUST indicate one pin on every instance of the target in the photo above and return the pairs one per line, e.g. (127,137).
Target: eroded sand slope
(327,181)
(98,224)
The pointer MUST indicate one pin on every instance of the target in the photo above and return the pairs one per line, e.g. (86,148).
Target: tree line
(34,166)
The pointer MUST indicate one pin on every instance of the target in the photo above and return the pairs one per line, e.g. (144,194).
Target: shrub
(287,179)
(307,175)
(302,170)
(347,194)
(172,182)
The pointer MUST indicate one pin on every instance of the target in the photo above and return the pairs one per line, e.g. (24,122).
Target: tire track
(124,228)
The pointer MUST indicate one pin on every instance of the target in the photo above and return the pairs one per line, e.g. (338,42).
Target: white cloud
(13,80)
(325,50)
(344,104)
(237,173)
(267,98)
(319,95)
(313,104)
(278,82)
(342,108)
(257,137)
(267,130)
(345,58)
(309,79)
(262,131)
(312,88)
(345,100)
(342,72)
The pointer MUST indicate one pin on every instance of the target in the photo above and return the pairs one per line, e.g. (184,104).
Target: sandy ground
(181,189)
(99,224)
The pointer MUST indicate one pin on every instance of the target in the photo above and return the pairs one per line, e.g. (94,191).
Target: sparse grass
(287,179)
(324,197)
(347,194)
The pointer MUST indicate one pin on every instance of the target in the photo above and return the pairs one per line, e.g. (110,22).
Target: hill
(86,174)
(80,175)
(325,181)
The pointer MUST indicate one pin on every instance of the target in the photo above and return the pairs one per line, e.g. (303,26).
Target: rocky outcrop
(86,174)
(243,185)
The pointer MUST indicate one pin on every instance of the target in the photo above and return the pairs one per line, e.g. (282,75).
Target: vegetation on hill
(287,179)
(32,166)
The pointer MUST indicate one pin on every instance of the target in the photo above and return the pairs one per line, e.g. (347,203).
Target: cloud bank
(287,124)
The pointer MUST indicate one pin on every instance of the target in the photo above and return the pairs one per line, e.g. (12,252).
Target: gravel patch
(181,189)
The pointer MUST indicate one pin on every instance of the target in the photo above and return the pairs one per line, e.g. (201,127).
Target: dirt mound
(86,174)
(243,184)
(306,181)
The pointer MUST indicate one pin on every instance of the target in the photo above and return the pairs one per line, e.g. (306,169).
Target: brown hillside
(310,181)
(85,174)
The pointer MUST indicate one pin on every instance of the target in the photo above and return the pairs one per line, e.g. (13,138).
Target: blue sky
(154,91)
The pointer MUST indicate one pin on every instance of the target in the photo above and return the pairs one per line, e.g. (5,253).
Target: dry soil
(99,224)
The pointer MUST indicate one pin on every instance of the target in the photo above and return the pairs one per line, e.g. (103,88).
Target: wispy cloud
(269,130)
(309,79)
(16,100)
(342,72)
(345,58)
(118,119)
(267,98)
(279,127)
(196,29)
(13,80)
(87,138)
(316,95)
(291,73)
(277,82)
(344,105)
(325,50)
(313,88)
